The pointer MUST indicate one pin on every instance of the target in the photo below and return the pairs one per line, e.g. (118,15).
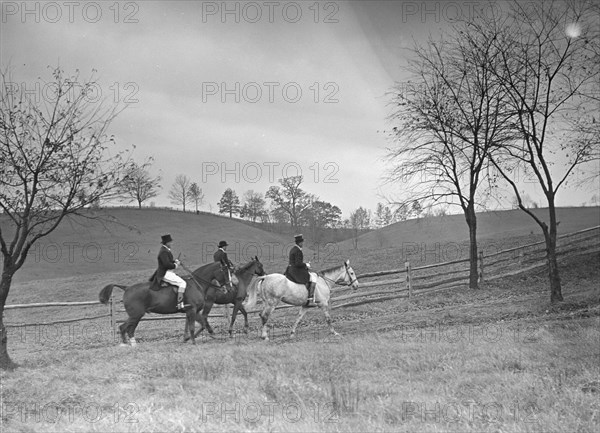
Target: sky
(239,94)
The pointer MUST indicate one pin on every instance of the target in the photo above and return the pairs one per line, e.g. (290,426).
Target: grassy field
(500,359)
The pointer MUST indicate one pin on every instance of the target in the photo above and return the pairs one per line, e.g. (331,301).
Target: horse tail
(106,292)
(253,292)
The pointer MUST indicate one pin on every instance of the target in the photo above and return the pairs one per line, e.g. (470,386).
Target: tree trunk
(5,361)
(473,257)
(550,235)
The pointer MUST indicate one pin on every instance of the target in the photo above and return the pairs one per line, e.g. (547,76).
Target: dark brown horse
(140,299)
(244,274)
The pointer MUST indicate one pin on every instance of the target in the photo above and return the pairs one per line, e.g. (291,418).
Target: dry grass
(359,383)
(498,359)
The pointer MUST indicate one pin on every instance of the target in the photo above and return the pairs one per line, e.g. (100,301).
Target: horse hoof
(293,335)
(132,342)
(123,345)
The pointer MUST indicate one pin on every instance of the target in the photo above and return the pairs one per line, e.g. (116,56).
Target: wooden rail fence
(577,243)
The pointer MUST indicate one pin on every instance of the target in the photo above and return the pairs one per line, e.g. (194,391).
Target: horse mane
(247,266)
(334,268)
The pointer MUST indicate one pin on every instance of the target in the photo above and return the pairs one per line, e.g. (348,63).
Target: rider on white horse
(297,270)
(166,263)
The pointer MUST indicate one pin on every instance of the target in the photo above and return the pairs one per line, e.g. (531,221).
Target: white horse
(273,288)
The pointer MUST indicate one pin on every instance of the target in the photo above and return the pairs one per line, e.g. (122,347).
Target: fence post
(481,267)
(408,278)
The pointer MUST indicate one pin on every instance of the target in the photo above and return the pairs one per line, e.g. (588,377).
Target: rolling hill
(128,240)
(494,226)
(117,240)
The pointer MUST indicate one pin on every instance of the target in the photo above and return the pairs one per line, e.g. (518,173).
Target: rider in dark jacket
(221,255)
(297,270)
(164,272)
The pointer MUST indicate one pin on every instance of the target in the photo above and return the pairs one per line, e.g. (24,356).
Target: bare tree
(550,70)
(290,198)
(446,125)
(196,195)
(54,162)
(180,190)
(360,220)
(138,184)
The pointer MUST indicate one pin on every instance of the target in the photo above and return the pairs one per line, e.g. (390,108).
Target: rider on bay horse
(166,263)
(297,270)
(221,256)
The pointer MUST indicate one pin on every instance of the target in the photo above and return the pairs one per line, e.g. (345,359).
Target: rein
(246,271)
(210,284)
(352,281)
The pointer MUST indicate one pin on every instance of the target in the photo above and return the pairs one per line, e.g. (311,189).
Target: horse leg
(325,308)
(243,310)
(200,321)
(189,325)
(301,314)
(205,312)
(132,323)
(123,329)
(264,315)
(236,306)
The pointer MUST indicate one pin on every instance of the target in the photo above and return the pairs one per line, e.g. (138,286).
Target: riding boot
(180,306)
(311,292)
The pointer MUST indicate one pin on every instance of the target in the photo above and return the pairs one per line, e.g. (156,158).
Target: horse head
(259,269)
(212,271)
(350,276)
(253,267)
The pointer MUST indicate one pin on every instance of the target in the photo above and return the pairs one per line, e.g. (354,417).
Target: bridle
(210,283)
(246,271)
(352,280)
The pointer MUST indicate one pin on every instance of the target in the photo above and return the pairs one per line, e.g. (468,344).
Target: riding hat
(223,244)
(298,238)
(166,238)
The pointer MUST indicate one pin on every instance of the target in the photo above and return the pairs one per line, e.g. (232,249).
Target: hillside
(128,240)
(491,226)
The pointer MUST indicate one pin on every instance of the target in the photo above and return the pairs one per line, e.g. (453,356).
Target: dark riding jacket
(297,270)
(166,262)
(221,256)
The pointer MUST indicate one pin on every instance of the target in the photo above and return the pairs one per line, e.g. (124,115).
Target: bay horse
(244,274)
(273,288)
(140,299)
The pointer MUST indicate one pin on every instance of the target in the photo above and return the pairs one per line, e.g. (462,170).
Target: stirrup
(310,302)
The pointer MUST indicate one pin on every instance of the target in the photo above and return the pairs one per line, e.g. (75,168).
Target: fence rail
(571,248)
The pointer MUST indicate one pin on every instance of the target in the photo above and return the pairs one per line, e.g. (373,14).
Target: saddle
(163,284)
(290,277)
